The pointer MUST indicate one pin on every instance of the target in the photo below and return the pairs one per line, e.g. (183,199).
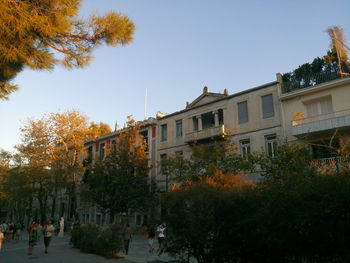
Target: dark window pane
(267,106)
(242,112)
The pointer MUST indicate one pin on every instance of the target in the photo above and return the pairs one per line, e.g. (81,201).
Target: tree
(205,218)
(40,34)
(332,65)
(205,161)
(99,129)
(51,148)
(336,34)
(5,158)
(290,160)
(120,181)
(36,149)
(294,214)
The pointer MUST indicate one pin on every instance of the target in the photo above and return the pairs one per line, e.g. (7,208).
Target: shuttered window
(267,106)
(242,112)
(320,107)
(164,132)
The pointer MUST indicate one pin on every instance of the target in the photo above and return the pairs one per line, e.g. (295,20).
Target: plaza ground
(61,252)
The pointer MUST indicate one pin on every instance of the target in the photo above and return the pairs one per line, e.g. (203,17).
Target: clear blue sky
(180,46)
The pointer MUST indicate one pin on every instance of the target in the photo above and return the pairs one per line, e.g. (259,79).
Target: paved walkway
(61,252)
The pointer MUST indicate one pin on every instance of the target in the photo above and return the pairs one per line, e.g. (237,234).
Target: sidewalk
(61,252)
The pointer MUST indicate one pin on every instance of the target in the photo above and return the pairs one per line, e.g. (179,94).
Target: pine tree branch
(64,51)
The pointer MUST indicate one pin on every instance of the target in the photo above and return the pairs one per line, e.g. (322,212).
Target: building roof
(215,97)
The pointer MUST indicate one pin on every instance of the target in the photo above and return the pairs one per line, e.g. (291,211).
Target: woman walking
(49,229)
(161,238)
(151,236)
(33,236)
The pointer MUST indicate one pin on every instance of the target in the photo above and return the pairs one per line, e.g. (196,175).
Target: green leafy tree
(40,34)
(205,161)
(120,181)
(290,160)
(332,65)
(294,214)
(205,217)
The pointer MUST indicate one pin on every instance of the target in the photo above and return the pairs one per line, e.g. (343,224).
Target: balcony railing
(321,123)
(310,80)
(212,132)
(335,163)
(321,117)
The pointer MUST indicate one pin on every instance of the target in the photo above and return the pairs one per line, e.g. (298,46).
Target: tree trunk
(53,207)
(74,205)
(111,217)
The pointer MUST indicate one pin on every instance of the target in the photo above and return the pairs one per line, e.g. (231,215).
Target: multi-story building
(316,114)
(254,119)
(251,119)
(98,149)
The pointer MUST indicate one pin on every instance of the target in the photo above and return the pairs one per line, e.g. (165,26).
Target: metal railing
(321,117)
(206,133)
(335,162)
(310,80)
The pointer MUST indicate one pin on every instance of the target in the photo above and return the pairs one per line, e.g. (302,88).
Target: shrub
(298,219)
(92,238)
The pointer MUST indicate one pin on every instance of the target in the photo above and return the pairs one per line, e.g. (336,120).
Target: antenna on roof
(116,126)
(145,110)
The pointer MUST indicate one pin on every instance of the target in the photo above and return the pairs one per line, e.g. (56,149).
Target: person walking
(150,237)
(4,228)
(40,231)
(161,238)
(2,237)
(127,238)
(10,231)
(18,231)
(49,229)
(33,237)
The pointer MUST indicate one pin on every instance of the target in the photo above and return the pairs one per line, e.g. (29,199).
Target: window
(144,134)
(164,132)
(163,158)
(221,116)
(178,128)
(114,145)
(102,151)
(245,148)
(267,106)
(320,107)
(179,154)
(89,155)
(271,145)
(195,124)
(242,112)
(208,120)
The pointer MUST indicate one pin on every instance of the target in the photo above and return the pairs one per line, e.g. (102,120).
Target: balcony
(333,164)
(320,123)
(208,133)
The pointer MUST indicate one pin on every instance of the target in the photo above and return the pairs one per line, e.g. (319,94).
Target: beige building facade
(317,114)
(255,120)
(258,119)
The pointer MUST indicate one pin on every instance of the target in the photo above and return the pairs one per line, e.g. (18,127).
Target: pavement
(61,252)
